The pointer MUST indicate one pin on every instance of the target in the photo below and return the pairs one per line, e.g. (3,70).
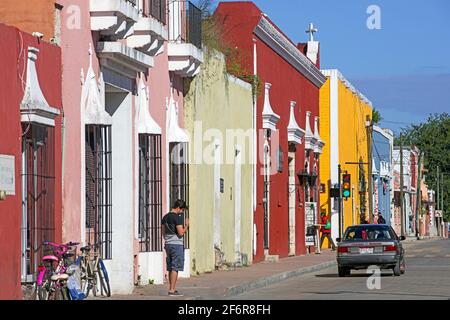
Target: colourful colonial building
(285,111)
(343,113)
(219,120)
(30,155)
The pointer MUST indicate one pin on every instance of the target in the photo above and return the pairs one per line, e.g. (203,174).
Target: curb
(266,281)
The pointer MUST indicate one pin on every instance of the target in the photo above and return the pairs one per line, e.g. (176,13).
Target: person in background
(174,228)
(326,230)
(381,220)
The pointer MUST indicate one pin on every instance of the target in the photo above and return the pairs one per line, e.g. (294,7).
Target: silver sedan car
(367,245)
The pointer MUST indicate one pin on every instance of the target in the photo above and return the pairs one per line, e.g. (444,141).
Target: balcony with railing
(185,38)
(150,31)
(114,18)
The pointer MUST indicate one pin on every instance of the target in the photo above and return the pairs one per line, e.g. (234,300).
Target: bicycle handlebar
(61,248)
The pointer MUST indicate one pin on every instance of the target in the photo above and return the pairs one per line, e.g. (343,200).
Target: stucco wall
(382,152)
(353,146)
(14,54)
(30,16)
(342,127)
(214,101)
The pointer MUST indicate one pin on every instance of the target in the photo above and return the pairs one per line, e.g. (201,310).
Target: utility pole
(419,194)
(340,201)
(402,218)
(442,192)
(437,187)
(369,127)
(442,204)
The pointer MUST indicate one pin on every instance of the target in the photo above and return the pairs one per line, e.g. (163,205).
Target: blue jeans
(175,257)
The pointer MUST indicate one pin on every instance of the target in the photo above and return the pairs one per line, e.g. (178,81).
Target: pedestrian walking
(381,220)
(326,230)
(173,230)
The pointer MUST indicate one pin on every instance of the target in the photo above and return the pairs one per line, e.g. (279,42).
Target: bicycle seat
(57,277)
(86,248)
(50,258)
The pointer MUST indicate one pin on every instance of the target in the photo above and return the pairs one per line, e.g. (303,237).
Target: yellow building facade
(219,119)
(343,112)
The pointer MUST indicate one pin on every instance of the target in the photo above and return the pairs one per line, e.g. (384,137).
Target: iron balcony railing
(185,23)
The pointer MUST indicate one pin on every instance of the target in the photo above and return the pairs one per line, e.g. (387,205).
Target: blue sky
(403,68)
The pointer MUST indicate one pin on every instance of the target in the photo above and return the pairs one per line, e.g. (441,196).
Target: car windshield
(367,233)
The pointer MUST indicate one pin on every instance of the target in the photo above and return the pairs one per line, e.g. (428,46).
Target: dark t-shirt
(171,221)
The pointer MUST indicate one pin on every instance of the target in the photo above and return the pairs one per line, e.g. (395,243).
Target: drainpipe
(255,148)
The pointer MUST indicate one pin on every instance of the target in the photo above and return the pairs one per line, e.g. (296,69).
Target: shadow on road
(357,275)
(402,295)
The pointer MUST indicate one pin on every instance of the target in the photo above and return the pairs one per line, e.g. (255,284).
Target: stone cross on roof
(311,31)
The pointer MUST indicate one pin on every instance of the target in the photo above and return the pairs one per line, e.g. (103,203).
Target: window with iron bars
(157,9)
(38,198)
(99,189)
(179,178)
(150,193)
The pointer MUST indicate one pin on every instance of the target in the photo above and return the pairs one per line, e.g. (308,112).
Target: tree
(433,138)
(376,117)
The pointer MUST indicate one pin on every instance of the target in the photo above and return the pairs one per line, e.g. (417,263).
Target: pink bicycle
(52,278)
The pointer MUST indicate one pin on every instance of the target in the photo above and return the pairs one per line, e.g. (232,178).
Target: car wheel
(403,267)
(343,272)
(396,269)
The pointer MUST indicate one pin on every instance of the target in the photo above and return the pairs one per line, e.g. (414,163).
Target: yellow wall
(352,145)
(325,174)
(352,112)
(214,100)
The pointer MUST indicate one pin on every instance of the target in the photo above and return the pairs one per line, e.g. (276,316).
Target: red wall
(239,20)
(14,44)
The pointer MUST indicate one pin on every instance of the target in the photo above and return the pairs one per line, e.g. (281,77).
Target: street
(427,277)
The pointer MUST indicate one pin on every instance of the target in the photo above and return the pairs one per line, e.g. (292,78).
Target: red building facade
(288,100)
(30,155)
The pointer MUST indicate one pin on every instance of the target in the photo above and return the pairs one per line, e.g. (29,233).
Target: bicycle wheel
(61,293)
(42,291)
(103,279)
(86,275)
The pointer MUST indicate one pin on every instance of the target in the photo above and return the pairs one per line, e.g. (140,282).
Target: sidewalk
(222,284)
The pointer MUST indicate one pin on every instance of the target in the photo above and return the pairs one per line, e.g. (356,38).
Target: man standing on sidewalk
(326,230)
(173,230)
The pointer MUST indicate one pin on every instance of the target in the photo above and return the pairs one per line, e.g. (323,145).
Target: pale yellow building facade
(219,120)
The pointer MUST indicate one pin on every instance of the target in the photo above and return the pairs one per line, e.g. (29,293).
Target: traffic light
(346,192)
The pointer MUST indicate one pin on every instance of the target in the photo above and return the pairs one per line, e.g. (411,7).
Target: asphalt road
(427,277)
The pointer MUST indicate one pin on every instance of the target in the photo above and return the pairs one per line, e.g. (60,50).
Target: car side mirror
(338,240)
(402,238)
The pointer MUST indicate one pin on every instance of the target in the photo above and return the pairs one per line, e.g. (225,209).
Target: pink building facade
(124,66)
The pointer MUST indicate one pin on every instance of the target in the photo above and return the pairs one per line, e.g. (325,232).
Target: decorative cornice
(123,59)
(295,133)
(310,140)
(34,107)
(348,84)
(281,45)
(319,142)
(174,132)
(93,97)
(144,122)
(270,118)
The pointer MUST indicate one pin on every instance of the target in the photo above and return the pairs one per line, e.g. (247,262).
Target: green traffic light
(346,193)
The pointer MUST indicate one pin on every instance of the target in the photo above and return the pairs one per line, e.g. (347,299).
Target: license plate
(365,250)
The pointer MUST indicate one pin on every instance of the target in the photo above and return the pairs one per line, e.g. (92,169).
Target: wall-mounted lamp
(2,195)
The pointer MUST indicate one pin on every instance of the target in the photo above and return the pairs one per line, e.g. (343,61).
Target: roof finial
(311,31)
